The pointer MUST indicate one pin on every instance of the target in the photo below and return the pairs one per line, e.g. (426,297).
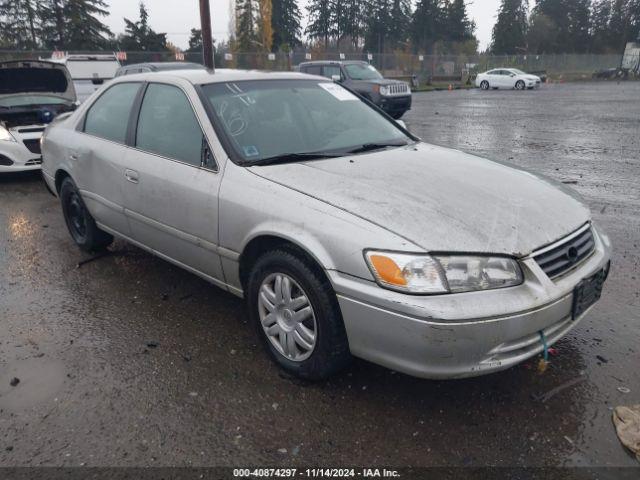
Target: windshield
(518,72)
(22,100)
(90,69)
(362,71)
(263,119)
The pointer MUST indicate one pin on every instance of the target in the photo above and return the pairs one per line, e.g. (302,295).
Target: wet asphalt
(129,361)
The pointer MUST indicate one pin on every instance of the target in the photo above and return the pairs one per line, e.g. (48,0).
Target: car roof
(332,62)
(221,75)
(31,61)
(165,65)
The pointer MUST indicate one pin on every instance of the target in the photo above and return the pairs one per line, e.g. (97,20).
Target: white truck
(89,72)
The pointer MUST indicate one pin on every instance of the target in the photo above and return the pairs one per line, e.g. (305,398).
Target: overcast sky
(177,18)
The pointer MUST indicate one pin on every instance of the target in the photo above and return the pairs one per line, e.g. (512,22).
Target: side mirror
(336,78)
(402,124)
(513,74)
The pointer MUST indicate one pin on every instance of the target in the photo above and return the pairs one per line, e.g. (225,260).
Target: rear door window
(330,70)
(313,70)
(108,117)
(168,126)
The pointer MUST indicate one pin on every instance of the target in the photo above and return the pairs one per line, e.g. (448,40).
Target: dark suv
(393,96)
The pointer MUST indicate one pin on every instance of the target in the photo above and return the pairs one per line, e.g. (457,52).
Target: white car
(32,94)
(335,223)
(507,78)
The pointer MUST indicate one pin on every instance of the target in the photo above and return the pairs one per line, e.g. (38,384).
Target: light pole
(207,40)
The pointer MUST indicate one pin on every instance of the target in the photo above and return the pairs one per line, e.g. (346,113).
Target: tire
(484,85)
(314,352)
(80,223)
(520,85)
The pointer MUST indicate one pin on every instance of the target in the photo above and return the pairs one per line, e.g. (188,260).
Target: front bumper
(23,154)
(462,335)
(395,104)
(533,84)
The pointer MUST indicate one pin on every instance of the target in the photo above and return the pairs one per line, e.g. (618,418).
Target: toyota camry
(345,234)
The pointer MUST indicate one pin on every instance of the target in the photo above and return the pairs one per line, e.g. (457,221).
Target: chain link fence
(423,68)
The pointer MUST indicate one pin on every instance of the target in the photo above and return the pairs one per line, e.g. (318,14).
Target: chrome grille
(566,254)
(398,89)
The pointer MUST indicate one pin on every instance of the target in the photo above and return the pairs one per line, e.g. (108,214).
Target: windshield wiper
(292,157)
(367,147)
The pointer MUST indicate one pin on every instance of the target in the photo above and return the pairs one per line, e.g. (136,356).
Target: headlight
(384,90)
(431,274)
(5,135)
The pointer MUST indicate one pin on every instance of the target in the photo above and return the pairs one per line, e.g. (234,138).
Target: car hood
(380,81)
(530,77)
(441,199)
(36,77)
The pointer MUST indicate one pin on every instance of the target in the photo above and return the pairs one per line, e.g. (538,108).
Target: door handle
(131,175)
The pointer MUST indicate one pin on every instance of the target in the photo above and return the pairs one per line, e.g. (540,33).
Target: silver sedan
(345,234)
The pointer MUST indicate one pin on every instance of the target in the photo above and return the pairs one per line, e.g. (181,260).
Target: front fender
(252,206)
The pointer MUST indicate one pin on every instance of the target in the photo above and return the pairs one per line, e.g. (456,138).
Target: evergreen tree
(139,36)
(53,21)
(378,26)
(427,25)
(542,34)
(321,21)
(84,30)
(286,22)
(195,41)
(619,24)
(571,20)
(600,20)
(579,25)
(246,34)
(350,21)
(387,25)
(458,26)
(400,22)
(20,25)
(510,30)
(632,31)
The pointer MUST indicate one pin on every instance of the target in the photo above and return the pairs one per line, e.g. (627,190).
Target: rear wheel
(296,314)
(80,223)
(484,85)
(520,85)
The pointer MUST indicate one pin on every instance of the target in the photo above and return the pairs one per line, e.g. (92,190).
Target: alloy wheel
(287,317)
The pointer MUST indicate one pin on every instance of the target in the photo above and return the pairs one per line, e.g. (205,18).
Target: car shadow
(33,176)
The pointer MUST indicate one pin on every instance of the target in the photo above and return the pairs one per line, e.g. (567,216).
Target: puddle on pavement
(40,381)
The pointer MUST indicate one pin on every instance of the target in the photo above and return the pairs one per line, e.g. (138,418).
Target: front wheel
(520,85)
(484,85)
(296,314)
(81,225)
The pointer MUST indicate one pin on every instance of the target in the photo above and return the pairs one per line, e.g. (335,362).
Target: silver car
(345,234)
